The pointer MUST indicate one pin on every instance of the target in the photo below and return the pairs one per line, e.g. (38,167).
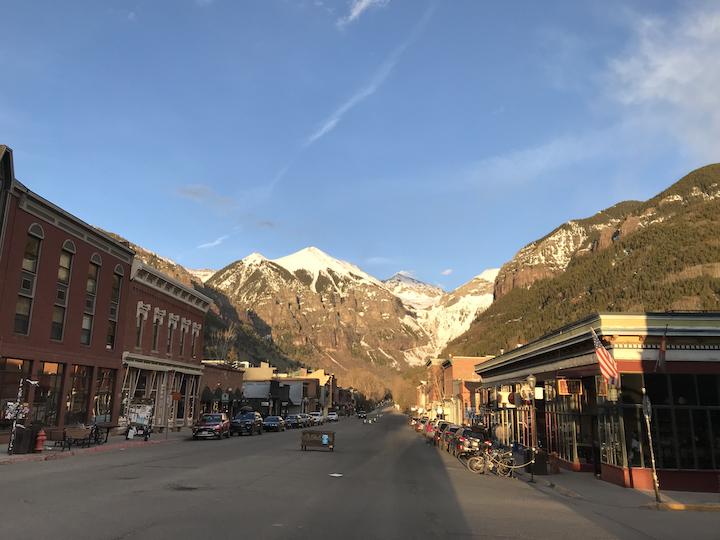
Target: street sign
(647,407)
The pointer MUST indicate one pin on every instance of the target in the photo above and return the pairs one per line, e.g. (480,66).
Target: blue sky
(432,137)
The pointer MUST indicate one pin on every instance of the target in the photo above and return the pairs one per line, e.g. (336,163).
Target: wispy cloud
(376,82)
(358,7)
(446,272)
(670,76)
(215,243)
(204,194)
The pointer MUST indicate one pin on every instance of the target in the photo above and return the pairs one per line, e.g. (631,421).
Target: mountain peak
(315,261)
(254,258)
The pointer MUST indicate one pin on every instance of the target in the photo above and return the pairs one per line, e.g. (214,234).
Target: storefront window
(102,407)
(663,420)
(11,371)
(46,405)
(78,400)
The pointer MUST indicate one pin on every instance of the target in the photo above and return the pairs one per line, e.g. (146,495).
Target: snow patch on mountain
(413,292)
(454,312)
(203,275)
(316,262)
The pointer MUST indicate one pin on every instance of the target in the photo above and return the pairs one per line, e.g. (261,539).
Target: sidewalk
(115,442)
(585,486)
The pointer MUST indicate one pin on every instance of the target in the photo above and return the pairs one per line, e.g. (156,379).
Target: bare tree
(222,341)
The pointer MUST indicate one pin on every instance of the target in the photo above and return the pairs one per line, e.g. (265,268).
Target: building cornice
(155,279)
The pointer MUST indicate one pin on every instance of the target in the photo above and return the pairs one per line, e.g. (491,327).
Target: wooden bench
(76,436)
(56,435)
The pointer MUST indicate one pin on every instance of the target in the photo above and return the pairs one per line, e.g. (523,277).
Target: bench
(55,435)
(76,436)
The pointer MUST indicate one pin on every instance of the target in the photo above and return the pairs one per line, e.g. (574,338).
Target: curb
(682,507)
(31,458)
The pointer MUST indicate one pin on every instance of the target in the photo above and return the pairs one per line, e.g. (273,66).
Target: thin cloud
(268,225)
(215,243)
(446,272)
(377,80)
(358,7)
(203,194)
(670,77)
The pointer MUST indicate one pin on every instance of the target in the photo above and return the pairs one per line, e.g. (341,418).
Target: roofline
(609,324)
(155,279)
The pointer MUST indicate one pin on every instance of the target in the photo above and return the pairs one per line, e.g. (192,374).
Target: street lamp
(532,381)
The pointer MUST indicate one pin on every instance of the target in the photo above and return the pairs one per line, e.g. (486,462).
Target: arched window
(28,277)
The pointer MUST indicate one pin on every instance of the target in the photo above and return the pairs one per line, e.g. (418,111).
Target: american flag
(608,367)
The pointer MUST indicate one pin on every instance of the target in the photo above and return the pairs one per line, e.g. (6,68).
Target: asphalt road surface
(381,482)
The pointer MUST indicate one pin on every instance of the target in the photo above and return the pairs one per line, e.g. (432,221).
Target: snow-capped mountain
(327,312)
(453,313)
(413,292)
(203,275)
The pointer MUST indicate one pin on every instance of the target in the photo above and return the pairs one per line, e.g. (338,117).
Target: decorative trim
(159,315)
(173,320)
(196,327)
(142,309)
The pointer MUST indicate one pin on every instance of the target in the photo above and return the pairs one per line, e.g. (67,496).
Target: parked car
(211,425)
(274,423)
(468,439)
(318,418)
(332,417)
(447,436)
(307,421)
(293,421)
(361,414)
(420,426)
(247,422)
(437,431)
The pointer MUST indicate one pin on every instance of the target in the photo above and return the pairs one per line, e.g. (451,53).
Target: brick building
(63,291)
(162,344)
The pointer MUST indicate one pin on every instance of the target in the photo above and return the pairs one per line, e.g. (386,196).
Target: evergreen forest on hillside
(673,265)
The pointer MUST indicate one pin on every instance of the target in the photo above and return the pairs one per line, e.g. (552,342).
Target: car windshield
(475,434)
(210,418)
(272,419)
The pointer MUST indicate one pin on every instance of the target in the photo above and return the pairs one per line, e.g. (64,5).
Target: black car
(247,422)
(275,423)
(293,421)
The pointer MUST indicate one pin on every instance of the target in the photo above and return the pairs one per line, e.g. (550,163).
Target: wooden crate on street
(322,439)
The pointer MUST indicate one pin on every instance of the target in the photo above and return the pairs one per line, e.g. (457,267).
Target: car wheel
(195,437)
(260,430)
(220,435)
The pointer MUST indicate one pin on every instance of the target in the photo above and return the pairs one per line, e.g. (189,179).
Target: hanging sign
(568,387)
(176,396)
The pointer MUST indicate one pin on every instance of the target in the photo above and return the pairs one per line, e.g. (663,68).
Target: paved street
(392,486)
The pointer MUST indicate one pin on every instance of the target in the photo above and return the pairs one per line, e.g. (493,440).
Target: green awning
(208,396)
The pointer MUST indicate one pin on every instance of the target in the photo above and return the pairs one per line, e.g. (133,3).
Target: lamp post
(532,381)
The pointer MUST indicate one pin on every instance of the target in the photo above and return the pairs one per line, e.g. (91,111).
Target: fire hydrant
(41,438)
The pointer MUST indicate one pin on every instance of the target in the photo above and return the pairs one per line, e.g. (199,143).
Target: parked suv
(306,420)
(468,439)
(247,422)
(317,418)
(293,421)
(211,425)
(446,437)
(332,417)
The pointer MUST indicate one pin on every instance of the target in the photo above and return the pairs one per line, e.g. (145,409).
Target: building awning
(208,396)
(155,364)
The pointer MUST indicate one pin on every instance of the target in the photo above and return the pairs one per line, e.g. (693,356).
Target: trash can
(540,465)
(23,438)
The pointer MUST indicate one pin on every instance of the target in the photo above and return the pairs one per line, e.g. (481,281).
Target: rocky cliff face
(551,255)
(323,311)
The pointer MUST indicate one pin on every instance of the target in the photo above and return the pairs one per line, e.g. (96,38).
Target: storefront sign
(176,396)
(567,387)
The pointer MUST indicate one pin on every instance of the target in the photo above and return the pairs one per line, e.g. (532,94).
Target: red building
(63,290)
(162,344)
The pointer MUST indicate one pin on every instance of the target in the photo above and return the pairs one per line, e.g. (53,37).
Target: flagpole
(647,412)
